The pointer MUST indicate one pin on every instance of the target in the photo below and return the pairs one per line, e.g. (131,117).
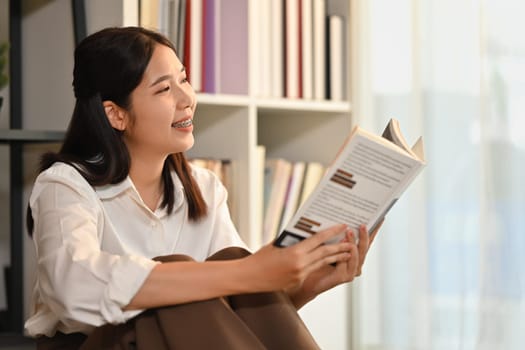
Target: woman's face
(162,108)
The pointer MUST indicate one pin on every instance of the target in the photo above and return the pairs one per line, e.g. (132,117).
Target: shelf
(30,136)
(222,100)
(273,104)
(324,106)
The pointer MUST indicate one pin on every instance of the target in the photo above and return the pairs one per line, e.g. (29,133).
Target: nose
(185,97)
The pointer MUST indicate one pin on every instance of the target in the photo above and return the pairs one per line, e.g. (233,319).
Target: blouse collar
(113,190)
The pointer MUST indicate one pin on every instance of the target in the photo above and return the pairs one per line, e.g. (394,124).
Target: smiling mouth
(183,123)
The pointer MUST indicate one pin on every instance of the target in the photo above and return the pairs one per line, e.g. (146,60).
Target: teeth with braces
(183,124)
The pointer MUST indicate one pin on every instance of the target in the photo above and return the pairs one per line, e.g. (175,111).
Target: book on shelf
(313,173)
(258,192)
(367,177)
(306,54)
(195,45)
(276,177)
(208,46)
(225,170)
(335,29)
(262,52)
(149,14)
(181,25)
(293,192)
(319,49)
(292,49)
(276,49)
(232,47)
(300,43)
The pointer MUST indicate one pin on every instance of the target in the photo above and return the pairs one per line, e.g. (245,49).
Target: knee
(173,258)
(229,254)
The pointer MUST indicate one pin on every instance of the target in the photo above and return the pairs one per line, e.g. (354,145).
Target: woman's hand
(329,276)
(275,268)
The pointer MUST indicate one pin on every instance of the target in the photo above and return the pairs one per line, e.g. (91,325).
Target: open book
(368,175)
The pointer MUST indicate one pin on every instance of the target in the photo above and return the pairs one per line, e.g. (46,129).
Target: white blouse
(95,246)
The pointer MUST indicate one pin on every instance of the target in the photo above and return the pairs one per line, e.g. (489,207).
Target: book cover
(292,48)
(293,192)
(277,174)
(263,29)
(196,45)
(149,14)
(208,46)
(313,174)
(173,22)
(307,68)
(365,180)
(232,50)
(277,49)
(130,13)
(182,13)
(186,54)
(319,49)
(336,62)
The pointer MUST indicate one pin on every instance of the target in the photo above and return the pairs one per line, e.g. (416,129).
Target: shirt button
(153,224)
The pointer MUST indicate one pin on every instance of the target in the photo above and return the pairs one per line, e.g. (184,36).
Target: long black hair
(109,65)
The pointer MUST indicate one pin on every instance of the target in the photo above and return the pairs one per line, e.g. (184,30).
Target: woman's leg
(250,321)
(208,324)
(271,316)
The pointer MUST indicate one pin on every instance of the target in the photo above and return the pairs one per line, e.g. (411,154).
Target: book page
(360,187)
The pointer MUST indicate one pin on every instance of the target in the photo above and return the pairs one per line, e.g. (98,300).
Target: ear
(116,115)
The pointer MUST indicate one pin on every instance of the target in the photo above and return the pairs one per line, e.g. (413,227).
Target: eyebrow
(166,77)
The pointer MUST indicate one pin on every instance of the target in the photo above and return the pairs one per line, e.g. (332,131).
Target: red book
(300,48)
(187,40)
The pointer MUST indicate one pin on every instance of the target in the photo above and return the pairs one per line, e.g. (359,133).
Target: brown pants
(248,321)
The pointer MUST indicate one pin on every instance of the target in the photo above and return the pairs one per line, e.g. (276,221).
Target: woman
(120,193)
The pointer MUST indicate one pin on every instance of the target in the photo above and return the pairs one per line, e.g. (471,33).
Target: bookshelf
(296,129)
(232,126)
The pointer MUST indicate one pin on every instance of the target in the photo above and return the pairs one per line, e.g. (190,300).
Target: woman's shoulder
(62,181)
(62,174)
(61,171)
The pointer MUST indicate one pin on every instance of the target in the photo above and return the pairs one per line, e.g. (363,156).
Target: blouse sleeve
(75,279)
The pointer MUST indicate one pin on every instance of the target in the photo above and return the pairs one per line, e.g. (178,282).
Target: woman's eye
(164,89)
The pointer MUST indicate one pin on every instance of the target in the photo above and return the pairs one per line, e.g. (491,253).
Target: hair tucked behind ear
(109,65)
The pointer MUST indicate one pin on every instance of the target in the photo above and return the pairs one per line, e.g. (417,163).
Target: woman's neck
(147,178)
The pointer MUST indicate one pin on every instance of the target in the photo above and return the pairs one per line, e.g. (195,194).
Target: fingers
(321,237)
(317,253)
(364,243)
(346,251)
(347,270)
